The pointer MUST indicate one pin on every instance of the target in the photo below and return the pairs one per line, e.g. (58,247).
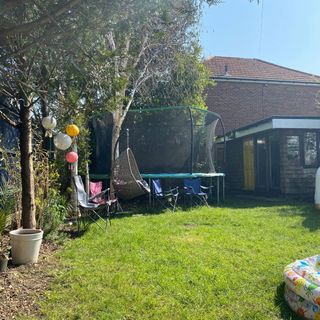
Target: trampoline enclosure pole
(127,137)
(191,142)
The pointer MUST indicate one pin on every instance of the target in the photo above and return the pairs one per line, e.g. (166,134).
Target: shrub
(51,206)
(54,213)
(7,206)
(10,189)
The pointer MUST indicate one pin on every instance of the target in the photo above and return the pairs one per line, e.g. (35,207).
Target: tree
(139,42)
(26,74)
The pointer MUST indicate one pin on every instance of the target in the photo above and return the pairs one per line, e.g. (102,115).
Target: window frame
(298,160)
(302,149)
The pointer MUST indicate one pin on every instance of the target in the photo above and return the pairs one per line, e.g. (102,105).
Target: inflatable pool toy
(302,287)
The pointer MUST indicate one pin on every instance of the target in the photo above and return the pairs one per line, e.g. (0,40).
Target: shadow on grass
(72,233)
(310,215)
(241,203)
(279,301)
(145,211)
(142,207)
(287,208)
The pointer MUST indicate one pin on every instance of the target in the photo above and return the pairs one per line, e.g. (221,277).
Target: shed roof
(255,69)
(276,122)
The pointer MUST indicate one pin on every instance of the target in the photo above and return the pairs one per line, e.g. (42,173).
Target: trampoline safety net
(163,140)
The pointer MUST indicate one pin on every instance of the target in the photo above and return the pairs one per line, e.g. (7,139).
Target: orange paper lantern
(72,130)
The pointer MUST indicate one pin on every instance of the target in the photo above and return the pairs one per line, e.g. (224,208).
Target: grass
(207,263)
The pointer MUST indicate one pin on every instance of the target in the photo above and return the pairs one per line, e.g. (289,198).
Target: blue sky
(290,32)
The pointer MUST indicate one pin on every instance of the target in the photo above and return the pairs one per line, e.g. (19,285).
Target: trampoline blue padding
(150,176)
(181,175)
(104,176)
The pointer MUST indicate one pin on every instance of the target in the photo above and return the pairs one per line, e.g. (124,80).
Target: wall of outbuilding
(294,177)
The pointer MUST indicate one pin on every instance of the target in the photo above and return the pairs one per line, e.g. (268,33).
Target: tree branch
(8,120)
(112,45)
(143,48)
(29,26)
(8,4)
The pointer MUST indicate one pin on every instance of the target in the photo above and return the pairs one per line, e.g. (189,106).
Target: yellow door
(248,164)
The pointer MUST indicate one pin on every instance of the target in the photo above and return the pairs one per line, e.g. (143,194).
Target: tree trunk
(117,123)
(27,178)
(115,136)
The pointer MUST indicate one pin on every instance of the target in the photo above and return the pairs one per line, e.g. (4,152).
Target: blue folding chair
(195,191)
(168,198)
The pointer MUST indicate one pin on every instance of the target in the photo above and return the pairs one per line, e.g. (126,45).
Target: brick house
(272,121)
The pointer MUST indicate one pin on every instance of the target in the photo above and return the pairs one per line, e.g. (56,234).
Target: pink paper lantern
(72,157)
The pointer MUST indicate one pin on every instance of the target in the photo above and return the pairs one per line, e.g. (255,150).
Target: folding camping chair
(87,208)
(195,191)
(97,195)
(165,198)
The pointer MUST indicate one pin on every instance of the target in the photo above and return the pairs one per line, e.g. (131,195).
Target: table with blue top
(211,176)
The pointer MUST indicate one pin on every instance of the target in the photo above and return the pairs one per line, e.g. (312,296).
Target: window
(303,149)
(293,148)
(310,149)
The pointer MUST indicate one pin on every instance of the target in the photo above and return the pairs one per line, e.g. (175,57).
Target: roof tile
(244,68)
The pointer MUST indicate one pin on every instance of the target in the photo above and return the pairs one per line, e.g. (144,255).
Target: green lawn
(207,263)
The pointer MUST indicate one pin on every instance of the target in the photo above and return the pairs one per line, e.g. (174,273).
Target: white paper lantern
(49,122)
(62,141)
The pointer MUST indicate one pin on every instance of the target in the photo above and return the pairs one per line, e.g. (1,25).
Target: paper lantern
(72,157)
(72,130)
(62,141)
(49,122)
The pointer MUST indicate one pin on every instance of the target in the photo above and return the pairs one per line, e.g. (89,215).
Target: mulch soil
(22,287)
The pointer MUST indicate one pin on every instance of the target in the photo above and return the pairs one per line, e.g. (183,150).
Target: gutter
(265,81)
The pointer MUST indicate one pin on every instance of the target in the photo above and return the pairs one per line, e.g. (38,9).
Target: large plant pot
(25,245)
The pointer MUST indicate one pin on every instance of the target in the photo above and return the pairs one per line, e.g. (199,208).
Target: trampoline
(167,143)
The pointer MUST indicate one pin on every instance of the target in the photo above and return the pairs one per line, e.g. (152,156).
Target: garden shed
(279,154)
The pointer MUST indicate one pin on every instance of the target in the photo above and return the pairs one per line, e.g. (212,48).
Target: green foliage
(54,213)
(207,263)
(7,205)
(50,205)
(184,85)
(78,117)
(10,188)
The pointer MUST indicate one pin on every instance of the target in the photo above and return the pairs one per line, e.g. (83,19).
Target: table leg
(223,188)
(218,191)
(150,192)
